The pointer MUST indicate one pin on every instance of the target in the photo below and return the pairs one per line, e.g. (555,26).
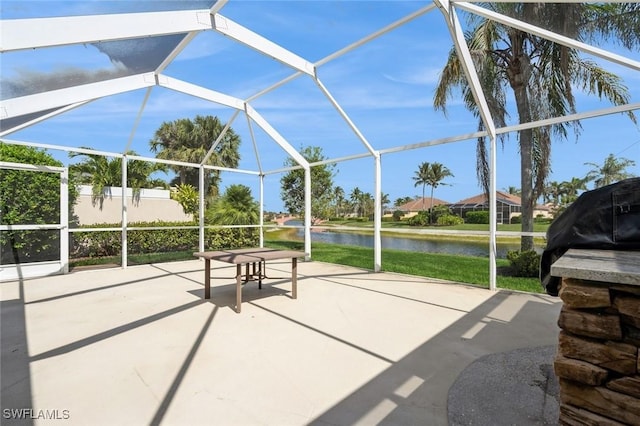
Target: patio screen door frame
(39,269)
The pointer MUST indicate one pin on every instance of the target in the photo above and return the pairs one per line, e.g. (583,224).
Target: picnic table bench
(249,256)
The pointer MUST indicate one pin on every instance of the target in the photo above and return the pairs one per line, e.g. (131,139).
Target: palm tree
(612,170)
(235,207)
(338,198)
(367,204)
(402,200)
(431,174)
(552,193)
(356,200)
(570,189)
(189,141)
(384,202)
(102,173)
(437,174)
(541,75)
(422,178)
(512,190)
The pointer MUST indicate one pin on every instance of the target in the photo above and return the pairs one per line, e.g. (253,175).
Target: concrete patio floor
(140,346)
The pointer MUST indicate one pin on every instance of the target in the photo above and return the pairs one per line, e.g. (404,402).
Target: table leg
(207,278)
(294,277)
(239,286)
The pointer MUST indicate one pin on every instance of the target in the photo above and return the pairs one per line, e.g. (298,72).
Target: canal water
(462,247)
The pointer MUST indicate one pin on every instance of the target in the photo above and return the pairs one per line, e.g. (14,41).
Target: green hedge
(450,220)
(477,217)
(524,264)
(26,198)
(109,243)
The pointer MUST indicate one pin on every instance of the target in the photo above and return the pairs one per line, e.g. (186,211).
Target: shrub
(421,219)
(449,220)
(524,264)
(477,217)
(397,215)
(541,219)
(516,219)
(188,197)
(441,210)
(109,243)
(27,198)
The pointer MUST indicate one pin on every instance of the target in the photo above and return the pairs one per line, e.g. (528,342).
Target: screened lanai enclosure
(362,81)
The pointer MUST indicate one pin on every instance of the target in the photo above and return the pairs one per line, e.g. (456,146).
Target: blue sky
(385,86)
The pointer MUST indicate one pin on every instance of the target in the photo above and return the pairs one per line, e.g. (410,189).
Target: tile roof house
(420,204)
(508,206)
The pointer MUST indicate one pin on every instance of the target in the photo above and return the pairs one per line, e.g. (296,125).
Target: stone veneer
(598,361)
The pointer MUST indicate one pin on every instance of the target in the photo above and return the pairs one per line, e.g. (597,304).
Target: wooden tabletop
(615,266)
(248,255)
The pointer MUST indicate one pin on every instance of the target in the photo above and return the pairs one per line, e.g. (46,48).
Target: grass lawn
(133,259)
(515,227)
(465,269)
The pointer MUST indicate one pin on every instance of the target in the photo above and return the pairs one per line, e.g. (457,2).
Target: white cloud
(426,75)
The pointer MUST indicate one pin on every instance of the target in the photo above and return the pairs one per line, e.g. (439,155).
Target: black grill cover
(605,218)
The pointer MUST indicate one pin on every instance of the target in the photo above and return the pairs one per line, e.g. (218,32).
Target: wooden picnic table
(249,256)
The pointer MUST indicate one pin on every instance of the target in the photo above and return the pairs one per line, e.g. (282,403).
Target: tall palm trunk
(431,208)
(518,75)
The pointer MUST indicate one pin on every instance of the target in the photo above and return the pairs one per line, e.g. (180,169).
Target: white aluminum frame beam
(176,51)
(19,34)
(462,50)
(256,151)
(44,117)
(549,35)
(372,36)
(200,92)
(344,116)
(255,41)
(345,50)
(217,6)
(23,105)
(277,137)
(514,128)
(219,138)
(138,118)
(298,158)
(121,155)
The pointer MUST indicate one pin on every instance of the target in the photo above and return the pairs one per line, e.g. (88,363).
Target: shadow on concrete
(15,371)
(415,388)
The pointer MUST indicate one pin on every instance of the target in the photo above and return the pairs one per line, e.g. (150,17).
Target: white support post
(466,61)
(261,218)
(377,216)
(201,210)
(125,249)
(493,217)
(307,214)
(64,221)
